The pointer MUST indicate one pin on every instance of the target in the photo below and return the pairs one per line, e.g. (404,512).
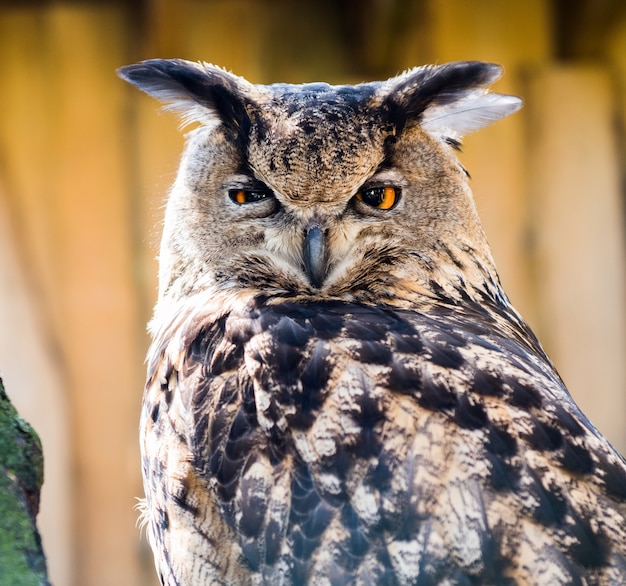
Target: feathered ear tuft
(448,100)
(197,91)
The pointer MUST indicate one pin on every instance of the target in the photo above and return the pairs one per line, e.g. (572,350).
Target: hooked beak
(315,255)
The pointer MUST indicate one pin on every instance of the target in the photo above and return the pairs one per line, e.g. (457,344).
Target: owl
(338,389)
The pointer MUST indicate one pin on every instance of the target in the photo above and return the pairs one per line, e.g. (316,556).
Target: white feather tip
(468,114)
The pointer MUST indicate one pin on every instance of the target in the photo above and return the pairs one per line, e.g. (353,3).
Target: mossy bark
(22,561)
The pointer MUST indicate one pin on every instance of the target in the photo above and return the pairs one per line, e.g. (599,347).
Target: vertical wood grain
(579,228)
(99,333)
(30,357)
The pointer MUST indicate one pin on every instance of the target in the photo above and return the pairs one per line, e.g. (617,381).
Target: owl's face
(320,191)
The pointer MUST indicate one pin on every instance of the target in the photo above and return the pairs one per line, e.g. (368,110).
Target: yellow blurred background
(85,165)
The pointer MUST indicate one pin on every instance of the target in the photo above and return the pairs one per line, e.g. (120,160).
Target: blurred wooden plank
(24,147)
(101,341)
(585,26)
(616,56)
(504,32)
(579,225)
(34,381)
(29,297)
(234,34)
(267,41)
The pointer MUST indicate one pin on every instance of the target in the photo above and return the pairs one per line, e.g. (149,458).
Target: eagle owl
(338,390)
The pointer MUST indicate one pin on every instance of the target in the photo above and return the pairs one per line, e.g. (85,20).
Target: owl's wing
(361,445)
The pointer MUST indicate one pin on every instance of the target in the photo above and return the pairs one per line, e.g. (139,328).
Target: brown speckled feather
(352,444)
(339,391)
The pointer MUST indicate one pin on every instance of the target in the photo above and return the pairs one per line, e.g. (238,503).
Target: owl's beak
(315,254)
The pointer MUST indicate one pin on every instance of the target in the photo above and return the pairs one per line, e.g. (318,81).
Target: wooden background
(85,164)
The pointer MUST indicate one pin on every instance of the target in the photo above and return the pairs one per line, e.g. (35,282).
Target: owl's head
(322,191)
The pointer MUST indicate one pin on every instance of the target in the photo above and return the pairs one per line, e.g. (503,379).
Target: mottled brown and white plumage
(339,391)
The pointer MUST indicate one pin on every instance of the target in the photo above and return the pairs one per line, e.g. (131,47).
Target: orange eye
(381,198)
(248,195)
